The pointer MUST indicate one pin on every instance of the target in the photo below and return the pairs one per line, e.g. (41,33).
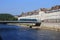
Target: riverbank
(50,26)
(26,25)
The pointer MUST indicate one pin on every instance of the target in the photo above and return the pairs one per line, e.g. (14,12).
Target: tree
(7,17)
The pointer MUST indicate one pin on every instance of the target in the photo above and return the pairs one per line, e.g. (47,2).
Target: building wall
(54,15)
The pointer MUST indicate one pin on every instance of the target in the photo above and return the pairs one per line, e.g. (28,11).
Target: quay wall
(50,26)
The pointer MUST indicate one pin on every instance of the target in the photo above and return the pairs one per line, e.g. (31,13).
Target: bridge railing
(18,22)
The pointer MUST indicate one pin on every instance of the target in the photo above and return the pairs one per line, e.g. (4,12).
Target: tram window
(28,20)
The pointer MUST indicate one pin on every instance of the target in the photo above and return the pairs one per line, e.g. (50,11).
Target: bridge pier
(30,26)
(37,24)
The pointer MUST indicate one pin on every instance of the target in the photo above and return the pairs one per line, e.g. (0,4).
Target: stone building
(46,15)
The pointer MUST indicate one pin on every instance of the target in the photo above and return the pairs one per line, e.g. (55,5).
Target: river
(12,32)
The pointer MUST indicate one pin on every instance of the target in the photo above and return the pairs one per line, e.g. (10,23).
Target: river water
(12,32)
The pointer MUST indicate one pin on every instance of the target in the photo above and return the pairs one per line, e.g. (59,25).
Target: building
(47,15)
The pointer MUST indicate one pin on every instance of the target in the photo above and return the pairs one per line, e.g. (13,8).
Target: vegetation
(7,17)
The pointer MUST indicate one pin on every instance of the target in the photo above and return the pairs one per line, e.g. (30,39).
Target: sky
(16,7)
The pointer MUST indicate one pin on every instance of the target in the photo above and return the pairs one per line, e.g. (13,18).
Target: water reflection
(12,32)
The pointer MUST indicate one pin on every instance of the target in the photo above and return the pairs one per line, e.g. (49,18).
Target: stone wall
(52,21)
(50,26)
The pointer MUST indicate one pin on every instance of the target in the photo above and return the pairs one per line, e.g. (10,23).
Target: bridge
(19,22)
(33,22)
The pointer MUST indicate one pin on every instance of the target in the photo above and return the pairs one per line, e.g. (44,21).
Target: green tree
(7,17)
